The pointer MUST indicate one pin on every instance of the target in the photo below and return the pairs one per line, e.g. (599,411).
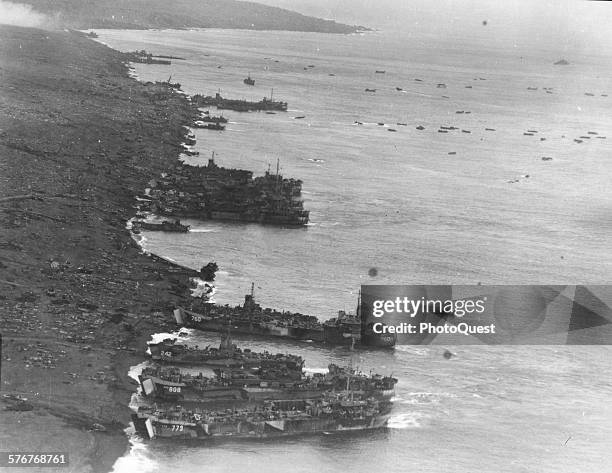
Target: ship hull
(161,390)
(152,427)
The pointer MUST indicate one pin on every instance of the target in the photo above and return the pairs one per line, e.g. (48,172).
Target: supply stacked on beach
(213,192)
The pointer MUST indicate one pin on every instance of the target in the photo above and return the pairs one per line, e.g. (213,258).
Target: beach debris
(448,354)
(208,272)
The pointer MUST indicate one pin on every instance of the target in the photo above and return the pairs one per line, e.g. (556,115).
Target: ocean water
(492,212)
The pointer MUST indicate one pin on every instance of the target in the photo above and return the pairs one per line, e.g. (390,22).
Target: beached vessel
(227,355)
(273,419)
(250,318)
(261,383)
(165,226)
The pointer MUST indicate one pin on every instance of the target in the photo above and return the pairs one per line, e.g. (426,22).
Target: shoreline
(78,297)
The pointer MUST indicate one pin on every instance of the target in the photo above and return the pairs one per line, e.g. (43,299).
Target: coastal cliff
(143,14)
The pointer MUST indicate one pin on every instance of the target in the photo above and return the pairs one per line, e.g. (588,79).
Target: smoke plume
(18,14)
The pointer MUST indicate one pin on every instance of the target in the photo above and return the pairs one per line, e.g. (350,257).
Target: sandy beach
(79,138)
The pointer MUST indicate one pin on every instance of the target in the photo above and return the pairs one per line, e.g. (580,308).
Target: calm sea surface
(493,211)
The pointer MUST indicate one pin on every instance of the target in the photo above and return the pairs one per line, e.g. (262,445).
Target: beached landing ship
(239,105)
(273,419)
(165,226)
(227,355)
(259,384)
(214,192)
(250,318)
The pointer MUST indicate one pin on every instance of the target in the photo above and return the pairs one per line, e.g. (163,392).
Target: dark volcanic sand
(79,139)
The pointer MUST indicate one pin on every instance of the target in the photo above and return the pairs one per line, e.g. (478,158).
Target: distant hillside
(140,14)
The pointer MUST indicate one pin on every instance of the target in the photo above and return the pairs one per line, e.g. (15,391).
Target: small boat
(452,152)
(589,94)
(380,72)
(357,123)
(466,131)
(249,81)
(489,129)
(546,158)
(300,117)
(270,113)
(370,90)
(442,131)
(399,89)
(402,124)
(420,127)
(213,126)
(592,132)
(380,124)
(578,141)
(528,134)
(391,129)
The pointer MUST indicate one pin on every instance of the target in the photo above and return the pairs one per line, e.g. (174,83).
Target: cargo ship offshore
(345,329)
(260,384)
(265,104)
(272,419)
(212,192)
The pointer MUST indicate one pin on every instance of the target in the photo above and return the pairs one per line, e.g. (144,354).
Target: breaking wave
(137,459)
(408,420)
